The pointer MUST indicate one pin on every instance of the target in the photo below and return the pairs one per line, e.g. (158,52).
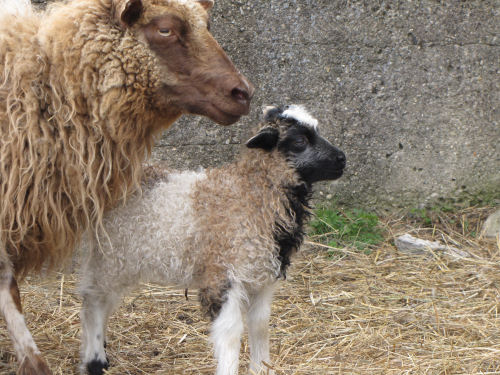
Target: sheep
(84,89)
(232,237)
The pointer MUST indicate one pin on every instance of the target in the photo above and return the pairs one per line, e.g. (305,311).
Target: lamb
(84,89)
(232,237)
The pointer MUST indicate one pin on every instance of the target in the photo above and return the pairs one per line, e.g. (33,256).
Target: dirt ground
(351,313)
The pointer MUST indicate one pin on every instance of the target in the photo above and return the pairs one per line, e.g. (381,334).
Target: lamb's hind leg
(258,329)
(30,359)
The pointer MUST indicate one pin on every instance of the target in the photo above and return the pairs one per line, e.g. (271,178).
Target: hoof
(34,365)
(97,367)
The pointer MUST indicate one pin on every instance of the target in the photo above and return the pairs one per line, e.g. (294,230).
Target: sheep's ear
(128,12)
(207,4)
(266,139)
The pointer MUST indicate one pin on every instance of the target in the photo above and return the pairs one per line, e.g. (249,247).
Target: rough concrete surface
(410,90)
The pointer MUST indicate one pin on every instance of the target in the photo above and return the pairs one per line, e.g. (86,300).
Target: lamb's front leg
(258,329)
(227,328)
(96,308)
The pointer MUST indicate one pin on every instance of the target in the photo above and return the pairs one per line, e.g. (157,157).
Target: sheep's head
(294,132)
(196,75)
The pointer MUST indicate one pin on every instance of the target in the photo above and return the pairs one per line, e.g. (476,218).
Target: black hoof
(97,367)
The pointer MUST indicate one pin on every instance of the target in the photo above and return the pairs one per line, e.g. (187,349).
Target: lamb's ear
(207,4)
(266,139)
(272,113)
(128,12)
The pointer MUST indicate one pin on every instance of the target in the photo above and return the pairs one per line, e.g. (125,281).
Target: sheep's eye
(165,32)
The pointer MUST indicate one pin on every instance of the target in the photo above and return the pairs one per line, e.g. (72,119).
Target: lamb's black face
(314,157)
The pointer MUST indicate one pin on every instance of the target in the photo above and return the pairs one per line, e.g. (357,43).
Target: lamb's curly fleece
(222,229)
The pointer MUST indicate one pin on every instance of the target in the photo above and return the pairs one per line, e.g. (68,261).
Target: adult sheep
(84,89)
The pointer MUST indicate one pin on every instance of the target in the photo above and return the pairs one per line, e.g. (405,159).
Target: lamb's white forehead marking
(300,114)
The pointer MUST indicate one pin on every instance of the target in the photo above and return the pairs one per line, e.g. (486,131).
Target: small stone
(411,245)
(491,228)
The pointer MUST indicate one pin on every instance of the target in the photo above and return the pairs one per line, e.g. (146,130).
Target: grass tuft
(346,228)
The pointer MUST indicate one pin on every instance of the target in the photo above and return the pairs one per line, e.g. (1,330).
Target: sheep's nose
(240,94)
(243,92)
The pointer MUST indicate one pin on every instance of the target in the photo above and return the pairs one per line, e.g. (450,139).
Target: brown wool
(253,188)
(75,125)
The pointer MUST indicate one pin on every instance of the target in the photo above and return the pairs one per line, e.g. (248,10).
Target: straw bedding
(353,313)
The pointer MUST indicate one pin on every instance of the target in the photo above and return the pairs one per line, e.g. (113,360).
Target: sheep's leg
(97,306)
(258,329)
(227,329)
(30,359)
(98,303)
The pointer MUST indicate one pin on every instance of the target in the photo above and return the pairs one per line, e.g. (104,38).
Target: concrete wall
(410,90)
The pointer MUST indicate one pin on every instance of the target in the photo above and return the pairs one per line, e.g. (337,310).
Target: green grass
(346,228)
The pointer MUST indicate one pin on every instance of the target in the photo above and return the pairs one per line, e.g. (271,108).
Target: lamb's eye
(165,32)
(301,142)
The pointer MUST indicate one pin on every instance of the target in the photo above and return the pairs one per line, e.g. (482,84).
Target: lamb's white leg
(100,298)
(30,359)
(258,329)
(96,308)
(227,329)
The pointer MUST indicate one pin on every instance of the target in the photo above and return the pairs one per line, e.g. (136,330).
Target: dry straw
(382,313)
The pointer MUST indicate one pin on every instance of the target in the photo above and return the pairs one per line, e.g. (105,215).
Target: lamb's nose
(341,159)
